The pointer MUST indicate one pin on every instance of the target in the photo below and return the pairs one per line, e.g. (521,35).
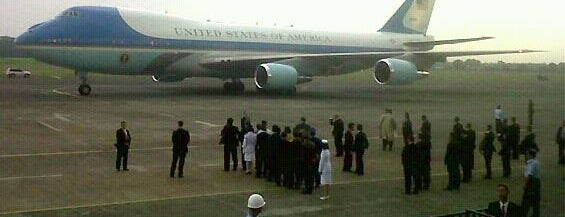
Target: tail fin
(413,17)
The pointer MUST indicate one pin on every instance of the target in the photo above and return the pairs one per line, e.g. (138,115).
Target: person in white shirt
(325,170)
(498,116)
(249,143)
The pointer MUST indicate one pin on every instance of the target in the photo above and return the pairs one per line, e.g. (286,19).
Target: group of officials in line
(294,157)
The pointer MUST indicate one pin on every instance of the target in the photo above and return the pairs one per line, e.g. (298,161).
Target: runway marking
(207,124)
(63,93)
(85,152)
(211,165)
(166,115)
(189,197)
(49,126)
(61,117)
(30,177)
(56,77)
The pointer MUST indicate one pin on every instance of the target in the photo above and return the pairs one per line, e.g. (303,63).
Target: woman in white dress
(325,170)
(249,143)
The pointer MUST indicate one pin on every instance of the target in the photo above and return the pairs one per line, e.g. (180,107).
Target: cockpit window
(69,14)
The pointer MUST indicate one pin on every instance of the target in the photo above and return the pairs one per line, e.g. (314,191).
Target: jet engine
(280,77)
(396,72)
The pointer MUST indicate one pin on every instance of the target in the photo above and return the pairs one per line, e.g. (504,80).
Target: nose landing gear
(84,89)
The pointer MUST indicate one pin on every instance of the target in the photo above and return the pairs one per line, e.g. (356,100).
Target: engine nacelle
(396,72)
(169,78)
(274,76)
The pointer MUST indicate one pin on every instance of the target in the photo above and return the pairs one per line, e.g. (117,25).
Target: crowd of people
(297,158)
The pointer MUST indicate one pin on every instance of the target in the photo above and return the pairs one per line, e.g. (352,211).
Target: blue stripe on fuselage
(104,27)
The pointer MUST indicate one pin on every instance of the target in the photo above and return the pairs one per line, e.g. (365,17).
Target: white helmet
(255,201)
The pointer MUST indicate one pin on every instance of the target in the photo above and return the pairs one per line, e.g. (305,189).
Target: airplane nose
(28,37)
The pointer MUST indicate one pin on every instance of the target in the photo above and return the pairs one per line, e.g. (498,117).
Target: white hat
(255,201)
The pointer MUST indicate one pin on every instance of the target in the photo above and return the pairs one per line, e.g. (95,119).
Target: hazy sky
(516,24)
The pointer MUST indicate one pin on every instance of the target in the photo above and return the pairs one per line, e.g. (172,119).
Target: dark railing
(467,213)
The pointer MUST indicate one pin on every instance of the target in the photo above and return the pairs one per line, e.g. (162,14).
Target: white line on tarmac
(207,124)
(185,197)
(29,177)
(166,115)
(85,152)
(56,77)
(61,117)
(211,165)
(63,93)
(49,126)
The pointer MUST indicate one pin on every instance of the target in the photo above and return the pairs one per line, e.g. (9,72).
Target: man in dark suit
(360,144)
(503,207)
(560,140)
(123,140)
(452,160)
(505,151)
(426,128)
(425,149)
(487,149)
(230,139)
(514,137)
(180,138)
(468,156)
(337,133)
(348,148)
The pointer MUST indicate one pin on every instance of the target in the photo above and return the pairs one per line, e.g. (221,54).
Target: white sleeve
(244,142)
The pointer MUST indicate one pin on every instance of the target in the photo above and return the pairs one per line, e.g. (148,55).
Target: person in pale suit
(387,127)
(325,170)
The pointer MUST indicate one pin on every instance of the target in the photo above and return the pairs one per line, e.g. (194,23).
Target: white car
(12,73)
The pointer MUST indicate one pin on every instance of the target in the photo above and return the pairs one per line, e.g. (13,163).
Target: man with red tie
(123,140)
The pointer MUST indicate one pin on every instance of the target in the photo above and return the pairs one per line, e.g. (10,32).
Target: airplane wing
(431,44)
(251,61)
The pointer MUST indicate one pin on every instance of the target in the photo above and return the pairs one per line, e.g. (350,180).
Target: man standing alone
(337,133)
(123,140)
(181,138)
(387,126)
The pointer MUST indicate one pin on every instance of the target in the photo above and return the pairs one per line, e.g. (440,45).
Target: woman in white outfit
(325,170)
(249,142)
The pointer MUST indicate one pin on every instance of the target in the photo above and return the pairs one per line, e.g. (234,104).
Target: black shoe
(126,169)
(172,176)
(181,176)
(118,170)
(306,192)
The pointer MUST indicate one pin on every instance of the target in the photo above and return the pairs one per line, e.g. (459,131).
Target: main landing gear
(235,86)
(84,89)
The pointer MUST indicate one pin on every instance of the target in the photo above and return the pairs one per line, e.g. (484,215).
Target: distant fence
(467,213)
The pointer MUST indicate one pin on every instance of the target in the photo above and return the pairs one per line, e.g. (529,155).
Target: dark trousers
(347,161)
(288,175)
(272,173)
(411,176)
(359,166)
(498,125)
(178,156)
(426,175)
(454,176)
(317,175)
(506,169)
(514,145)
(308,178)
(561,155)
(531,199)
(259,165)
(230,151)
(299,173)
(387,143)
(467,167)
(338,145)
(122,158)
(488,165)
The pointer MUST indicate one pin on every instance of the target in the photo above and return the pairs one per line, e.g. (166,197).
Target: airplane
(169,48)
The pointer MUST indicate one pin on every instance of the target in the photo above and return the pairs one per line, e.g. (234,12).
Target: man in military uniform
(180,138)
(452,161)
(468,156)
(514,138)
(487,149)
(337,133)
(230,139)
